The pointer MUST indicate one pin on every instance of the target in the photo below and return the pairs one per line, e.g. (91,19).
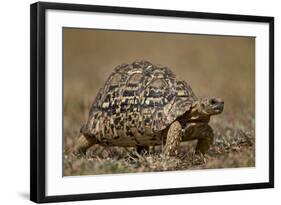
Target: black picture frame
(38,101)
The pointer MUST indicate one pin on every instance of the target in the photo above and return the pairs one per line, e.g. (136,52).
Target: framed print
(129,102)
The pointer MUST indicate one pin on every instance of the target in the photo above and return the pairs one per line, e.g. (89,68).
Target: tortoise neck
(196,114)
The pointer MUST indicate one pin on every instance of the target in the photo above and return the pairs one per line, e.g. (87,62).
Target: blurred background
(221,66)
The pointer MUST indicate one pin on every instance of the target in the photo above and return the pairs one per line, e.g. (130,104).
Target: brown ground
(213,65)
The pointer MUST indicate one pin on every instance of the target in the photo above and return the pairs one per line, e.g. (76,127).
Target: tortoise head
(208,106)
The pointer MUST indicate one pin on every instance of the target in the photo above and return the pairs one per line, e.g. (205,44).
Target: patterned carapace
(136,104)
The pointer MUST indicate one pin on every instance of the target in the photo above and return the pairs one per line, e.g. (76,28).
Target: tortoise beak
(217,104)
(219,108)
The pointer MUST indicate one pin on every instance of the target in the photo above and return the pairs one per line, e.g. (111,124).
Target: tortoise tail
(83,143)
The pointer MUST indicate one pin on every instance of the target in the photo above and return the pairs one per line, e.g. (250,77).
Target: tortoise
(142,105)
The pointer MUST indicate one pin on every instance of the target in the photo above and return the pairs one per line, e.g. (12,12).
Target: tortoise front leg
(205,140)
(201,132)
(83,143)
(174,136)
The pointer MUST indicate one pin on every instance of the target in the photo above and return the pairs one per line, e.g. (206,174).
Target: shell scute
(137,99)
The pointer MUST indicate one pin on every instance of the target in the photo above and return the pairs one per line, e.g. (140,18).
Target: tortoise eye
(213,101)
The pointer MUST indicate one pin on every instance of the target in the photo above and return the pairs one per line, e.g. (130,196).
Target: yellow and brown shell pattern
(137,102)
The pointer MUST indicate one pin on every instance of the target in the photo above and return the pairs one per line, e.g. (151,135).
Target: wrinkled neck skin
(197,114)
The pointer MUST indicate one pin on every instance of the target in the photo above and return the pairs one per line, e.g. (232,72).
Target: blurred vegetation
(220,66)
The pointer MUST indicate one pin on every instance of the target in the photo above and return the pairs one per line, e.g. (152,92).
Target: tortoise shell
(138,99)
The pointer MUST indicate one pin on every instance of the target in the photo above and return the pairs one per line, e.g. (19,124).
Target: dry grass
(234,146)
(214,66)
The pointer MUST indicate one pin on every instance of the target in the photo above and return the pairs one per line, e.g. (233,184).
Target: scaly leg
(83,143)
(174,136)
(205,140)
(201,132)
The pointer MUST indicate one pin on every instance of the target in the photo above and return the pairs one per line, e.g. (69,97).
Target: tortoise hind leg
(83,143)
(174,137)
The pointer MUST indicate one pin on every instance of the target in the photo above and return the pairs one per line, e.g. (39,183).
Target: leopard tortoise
(144,105)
